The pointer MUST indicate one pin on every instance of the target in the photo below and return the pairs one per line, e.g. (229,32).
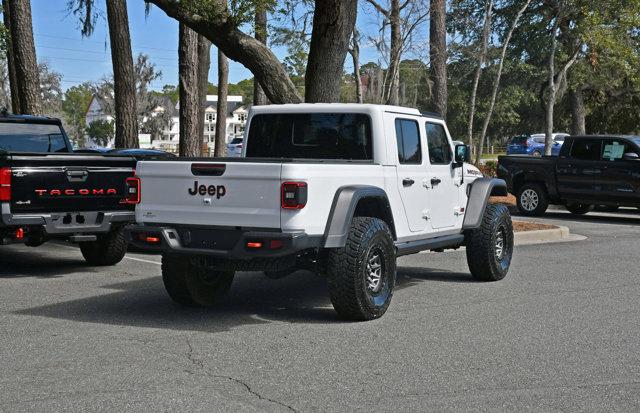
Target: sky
(59,43)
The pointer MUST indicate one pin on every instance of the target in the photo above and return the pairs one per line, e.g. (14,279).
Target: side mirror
(462,155)
(630,156)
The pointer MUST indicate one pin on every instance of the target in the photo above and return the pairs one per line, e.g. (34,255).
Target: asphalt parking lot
(561,332)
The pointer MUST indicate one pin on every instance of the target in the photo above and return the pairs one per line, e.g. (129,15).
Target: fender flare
(481,190)
(343,207)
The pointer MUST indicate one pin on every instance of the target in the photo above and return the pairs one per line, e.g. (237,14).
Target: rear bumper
(66,223)
(223,242)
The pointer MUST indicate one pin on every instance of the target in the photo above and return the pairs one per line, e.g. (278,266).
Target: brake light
(293,195)
(133,190)
(5,184)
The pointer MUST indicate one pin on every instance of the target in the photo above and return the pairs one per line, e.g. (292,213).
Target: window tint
(518,140)
(586,149)
(310,136)
(614,150)
(24,137)
(408,140)
(439,147)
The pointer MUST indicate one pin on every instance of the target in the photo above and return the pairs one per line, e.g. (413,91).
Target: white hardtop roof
(336,107)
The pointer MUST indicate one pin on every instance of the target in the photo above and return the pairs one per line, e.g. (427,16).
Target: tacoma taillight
(5,184)
(294,195)
(133,190)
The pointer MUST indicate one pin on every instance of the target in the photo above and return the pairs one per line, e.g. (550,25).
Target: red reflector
(275,244)
(132,195)
(152,240)
(254,245)
(19,233)
(5,184)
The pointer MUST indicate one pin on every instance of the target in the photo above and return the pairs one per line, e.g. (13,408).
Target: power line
(100,53)
(95,60)
(105,43)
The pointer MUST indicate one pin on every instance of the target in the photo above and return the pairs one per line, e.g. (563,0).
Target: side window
(587,150)
(439,147)
(614,150)
(57,143)
(408,140)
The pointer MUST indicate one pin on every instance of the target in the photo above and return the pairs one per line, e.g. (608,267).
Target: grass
(492,156)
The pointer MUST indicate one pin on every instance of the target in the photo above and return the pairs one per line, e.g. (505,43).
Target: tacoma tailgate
(211,193)
(70,182)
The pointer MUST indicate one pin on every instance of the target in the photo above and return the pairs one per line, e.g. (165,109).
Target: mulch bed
(521,226)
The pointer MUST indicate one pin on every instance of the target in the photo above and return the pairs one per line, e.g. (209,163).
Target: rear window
(310,136)
(538,140)
(25,137)
(235,141)
(519,140)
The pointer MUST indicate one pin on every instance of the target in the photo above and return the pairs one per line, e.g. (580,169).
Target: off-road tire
(485,263)
(108,249)
(538,193)
(577,208)
(348,268)
(192,285)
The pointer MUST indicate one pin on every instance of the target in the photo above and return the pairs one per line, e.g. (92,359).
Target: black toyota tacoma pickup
(590,170)
(48,192)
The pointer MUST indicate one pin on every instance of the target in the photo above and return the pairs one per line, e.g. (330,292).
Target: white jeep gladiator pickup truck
(339,189)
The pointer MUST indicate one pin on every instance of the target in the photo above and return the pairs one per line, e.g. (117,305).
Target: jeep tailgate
(223,193)
(70,182)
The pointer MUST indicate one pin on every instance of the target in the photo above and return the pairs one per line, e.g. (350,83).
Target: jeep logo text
(213,190)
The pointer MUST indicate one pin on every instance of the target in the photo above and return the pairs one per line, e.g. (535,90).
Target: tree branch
(379,8)
(218,27)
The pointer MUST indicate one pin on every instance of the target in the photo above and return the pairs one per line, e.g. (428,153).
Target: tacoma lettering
(72,192)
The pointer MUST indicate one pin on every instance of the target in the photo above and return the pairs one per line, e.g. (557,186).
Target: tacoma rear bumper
(67,223)
(223,242)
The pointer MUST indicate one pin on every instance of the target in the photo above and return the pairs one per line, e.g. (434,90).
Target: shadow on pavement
(16,263)
(408,276)
(593,217)
(253,299)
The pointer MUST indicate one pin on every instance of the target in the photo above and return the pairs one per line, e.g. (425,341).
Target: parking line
(128,258)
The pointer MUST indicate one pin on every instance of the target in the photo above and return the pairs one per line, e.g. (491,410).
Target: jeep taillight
(5,184)
(133,190)
(294,195)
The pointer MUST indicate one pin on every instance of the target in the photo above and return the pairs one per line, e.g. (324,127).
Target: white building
(236,117)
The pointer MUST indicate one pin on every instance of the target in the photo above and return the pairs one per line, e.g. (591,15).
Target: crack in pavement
(200,364)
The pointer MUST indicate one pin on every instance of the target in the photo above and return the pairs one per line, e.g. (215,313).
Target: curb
(541,236)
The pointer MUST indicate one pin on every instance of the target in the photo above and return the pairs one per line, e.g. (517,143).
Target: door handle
(407,182)
(435,181)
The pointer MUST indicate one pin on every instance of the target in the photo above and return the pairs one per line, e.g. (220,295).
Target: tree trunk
(486,28)
(190,142)
(13,85)
(124,82)
(496,83)
(578,112)
(259,98)
(219,27)
(221,116)
(393,86)
(355,55)
(204,63)
(438,55)
(333,23)
(25,66)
